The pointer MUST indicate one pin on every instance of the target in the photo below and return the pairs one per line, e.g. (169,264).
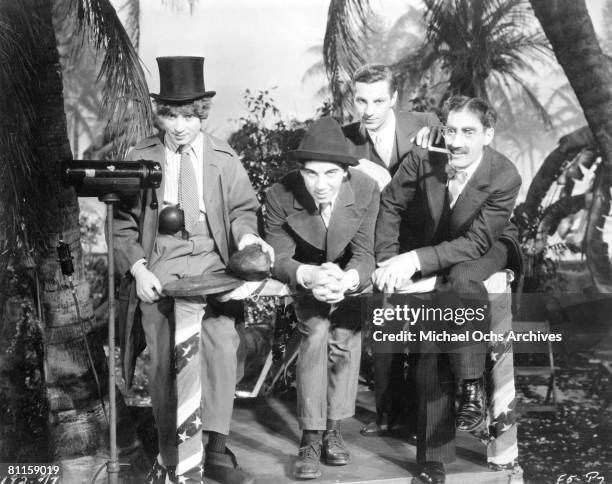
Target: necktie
(325,212)
(188,190)
(381,149)
(454,174)
(456,179)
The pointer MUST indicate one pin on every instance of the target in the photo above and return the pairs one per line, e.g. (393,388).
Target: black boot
(223,468)
(307,464)
(431,473)
(335,452)
(472,408)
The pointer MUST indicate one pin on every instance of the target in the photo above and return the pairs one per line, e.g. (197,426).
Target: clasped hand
(328,283)
(394,273)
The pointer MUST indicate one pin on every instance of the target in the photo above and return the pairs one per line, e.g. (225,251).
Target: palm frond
(315,71)
(125,96)
(132,21)
(344,42)
(22,198)
(535,103)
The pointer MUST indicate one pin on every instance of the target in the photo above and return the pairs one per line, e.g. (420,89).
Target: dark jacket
(407,126)
(294,228)
(480,217)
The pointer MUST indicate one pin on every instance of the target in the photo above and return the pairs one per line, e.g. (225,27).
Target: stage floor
(265,435)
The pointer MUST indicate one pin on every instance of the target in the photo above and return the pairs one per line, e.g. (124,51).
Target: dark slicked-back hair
(198,108)
(370,73)
(474,105)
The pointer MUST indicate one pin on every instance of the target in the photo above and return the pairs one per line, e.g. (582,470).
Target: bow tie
(460,176)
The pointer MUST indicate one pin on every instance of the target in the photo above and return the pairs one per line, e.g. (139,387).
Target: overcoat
(231,208)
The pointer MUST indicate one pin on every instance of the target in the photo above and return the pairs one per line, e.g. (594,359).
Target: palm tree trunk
(77,423)
(570,31)
(76,418)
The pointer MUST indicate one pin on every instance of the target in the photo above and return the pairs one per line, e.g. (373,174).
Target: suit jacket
(294,228)
(406,127)
(231,207)
(480,217)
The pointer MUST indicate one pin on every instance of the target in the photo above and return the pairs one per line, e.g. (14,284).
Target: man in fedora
(320,221)
(204,210)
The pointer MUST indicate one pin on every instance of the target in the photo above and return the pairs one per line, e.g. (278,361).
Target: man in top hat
(320,221)
(468,197)
(207,210)
(382,138)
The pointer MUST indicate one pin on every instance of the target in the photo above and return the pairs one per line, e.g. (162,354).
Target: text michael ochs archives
(390,325)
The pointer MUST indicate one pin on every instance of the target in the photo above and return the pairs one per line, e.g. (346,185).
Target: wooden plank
(532,371)
(265,438)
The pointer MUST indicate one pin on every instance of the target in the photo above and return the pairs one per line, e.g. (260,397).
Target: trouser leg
(311,373)
(158,325)
(436,409)
(389,382)
(466,279)
(220,342)
(344,356)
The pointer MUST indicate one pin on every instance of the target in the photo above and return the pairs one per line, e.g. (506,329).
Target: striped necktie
(188,190)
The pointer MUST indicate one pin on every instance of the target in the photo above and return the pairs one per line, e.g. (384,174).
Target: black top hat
(181,78)
(324,141)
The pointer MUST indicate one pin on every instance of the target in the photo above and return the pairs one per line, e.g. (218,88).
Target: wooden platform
(265,436)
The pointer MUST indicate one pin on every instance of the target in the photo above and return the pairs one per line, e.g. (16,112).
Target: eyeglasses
(450,134)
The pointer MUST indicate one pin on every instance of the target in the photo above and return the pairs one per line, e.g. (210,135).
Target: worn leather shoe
(431,473)
(335,452)
(308,462)
(384,425)
(223,469)
(373,429)
(471,412)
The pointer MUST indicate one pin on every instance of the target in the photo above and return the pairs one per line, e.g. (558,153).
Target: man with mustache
(381,139)
(467,202)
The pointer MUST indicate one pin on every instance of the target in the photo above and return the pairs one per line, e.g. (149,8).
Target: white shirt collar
(173,147)
(469,170)
(332,202)
(387,130)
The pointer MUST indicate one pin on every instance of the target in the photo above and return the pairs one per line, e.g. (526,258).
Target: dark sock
(310,436)
(382,418)
(216,442)
(332,424)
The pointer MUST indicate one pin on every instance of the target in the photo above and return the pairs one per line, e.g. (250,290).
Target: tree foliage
(37,210)
(570,30)
(263,139)
(468,46)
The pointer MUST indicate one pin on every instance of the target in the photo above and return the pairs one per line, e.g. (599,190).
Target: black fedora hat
(324,141)
(181,78)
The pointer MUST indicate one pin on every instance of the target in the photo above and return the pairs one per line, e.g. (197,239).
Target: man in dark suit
(320,221)
(467,237)
(204,178)
(381,139)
